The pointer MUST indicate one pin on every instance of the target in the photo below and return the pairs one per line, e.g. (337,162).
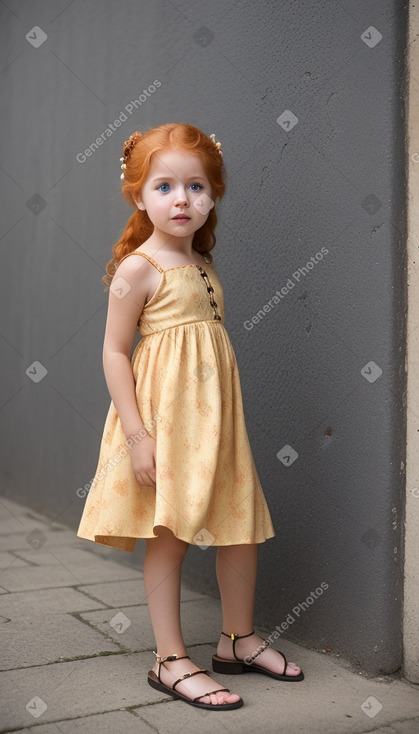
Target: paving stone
(45,601)
(113,722)
(38,577)
(75,689)
(129,593)
(21,540)
(7,505)
(6,560)
(131,626)
(30,641)
(410,726)
(27,516)
(12,524)
(67,555)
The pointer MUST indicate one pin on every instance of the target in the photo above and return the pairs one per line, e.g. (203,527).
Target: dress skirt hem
(128,543)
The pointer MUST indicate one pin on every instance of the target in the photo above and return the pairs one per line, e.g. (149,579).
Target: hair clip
(217,145)
(127,149)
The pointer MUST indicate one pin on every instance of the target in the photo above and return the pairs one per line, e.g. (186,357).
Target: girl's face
(176,185)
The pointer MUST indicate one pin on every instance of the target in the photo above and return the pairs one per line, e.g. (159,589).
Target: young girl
(175,464)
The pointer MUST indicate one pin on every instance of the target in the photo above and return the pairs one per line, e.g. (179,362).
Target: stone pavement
(77,644)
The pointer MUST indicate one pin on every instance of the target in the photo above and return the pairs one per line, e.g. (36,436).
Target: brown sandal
(155,682)
(221,665)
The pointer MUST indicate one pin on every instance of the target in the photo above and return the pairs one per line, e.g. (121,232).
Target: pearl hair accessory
(217,145)
(127,149)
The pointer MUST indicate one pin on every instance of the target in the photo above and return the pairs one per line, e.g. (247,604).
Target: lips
(181,216)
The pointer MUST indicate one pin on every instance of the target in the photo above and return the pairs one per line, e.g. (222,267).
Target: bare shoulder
(138,272)
(134,263)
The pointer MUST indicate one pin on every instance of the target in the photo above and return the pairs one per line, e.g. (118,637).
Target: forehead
(176,164)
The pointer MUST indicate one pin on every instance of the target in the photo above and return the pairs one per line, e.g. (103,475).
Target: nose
(181,198)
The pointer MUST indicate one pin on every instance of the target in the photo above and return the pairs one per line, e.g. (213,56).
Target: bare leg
(162,577)
(236,575)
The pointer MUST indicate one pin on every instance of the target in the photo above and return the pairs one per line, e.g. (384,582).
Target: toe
(219,698)
(204,699)
(226,697)
(211,698)
(232,698)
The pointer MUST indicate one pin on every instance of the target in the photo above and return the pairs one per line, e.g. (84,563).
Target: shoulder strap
(147,257)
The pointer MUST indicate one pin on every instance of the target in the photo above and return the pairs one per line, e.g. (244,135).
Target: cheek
(160,205)
(157,205)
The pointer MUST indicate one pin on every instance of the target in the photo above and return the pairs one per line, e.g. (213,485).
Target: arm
(122,318)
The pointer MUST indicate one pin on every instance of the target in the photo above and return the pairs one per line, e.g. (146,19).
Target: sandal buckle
(163,660)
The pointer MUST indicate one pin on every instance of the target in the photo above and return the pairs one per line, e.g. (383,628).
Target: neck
(167,243)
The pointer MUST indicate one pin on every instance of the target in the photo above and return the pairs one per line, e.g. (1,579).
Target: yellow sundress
(189,399)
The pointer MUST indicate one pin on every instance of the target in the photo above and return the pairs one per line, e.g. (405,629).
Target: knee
(165,537)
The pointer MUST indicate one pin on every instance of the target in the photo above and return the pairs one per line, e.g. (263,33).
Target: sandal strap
(160,661)
(208,694)
(169,657)
(263,647)
(233,636)
(285,666)
(188,675)
(260,649)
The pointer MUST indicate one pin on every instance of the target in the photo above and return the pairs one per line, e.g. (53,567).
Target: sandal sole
(229,667)
(154,683)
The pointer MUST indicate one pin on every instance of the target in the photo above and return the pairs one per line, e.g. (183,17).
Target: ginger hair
(138,151)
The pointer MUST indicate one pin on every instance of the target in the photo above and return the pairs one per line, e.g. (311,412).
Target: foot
(171,670)
(270,659)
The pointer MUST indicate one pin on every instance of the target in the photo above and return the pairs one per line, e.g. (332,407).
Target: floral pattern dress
(189,399)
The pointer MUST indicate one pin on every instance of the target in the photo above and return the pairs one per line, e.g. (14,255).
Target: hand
(143,459)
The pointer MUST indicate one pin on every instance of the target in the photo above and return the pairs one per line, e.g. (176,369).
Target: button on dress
(189,398)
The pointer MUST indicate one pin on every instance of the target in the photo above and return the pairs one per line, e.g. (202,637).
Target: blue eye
(166,190)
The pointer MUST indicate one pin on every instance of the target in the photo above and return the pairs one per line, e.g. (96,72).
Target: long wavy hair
(140,148)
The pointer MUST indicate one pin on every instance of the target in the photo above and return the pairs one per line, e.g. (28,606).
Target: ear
(139,204)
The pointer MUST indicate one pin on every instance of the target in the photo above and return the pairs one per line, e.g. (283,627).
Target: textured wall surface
(307,99)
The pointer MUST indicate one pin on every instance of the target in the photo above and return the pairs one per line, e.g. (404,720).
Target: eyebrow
(171,178)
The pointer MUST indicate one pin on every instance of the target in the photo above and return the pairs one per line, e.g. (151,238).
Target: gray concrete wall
(308,101)
(411,530)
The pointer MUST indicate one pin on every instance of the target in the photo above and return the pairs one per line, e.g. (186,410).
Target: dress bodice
(186,294)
